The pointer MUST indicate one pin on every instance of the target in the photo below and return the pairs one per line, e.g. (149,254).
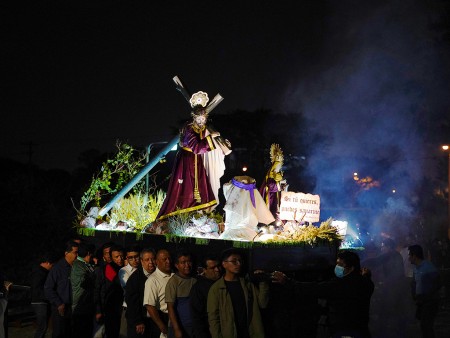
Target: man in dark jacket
(348,297)
(112,293)
(138,324)
(58,291)
(40,304)
(199,296)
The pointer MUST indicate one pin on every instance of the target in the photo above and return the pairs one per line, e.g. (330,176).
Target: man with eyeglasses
(134,261)
(211,272)
(234,302)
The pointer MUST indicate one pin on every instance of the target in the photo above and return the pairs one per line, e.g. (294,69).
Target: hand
(366,272)
(8,284)
(178,333)
(279,277)
(98,317)
(61,309)
(215,134)
(163,329)
(140,328)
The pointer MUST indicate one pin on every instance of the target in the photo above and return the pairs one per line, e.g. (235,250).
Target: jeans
(42,311)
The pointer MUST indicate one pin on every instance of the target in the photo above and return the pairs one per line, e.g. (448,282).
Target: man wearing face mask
(347,296)
(190,186)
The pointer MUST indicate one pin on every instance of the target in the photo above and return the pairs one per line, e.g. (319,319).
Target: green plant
(113,175)
(137,210)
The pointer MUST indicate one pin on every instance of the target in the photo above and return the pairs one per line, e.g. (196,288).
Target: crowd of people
(143,292)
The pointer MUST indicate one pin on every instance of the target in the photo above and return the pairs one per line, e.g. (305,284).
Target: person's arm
(262,294)
(134,303)
(50,286)
(214,314)
(154,315)
(198,311)
(174,320)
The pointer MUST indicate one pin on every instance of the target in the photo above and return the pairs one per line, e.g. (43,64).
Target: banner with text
(300,207)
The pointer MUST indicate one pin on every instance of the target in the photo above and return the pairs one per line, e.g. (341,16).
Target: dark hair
(228,252)
(182,253)
(85,248)
(133,248)
(115,247)
(416,250)
(107,245)
(388,242)
(70,245)
(209,257)
(148,250)
(47,257)
(350,259)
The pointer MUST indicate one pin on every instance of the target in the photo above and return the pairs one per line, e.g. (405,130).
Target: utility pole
(30,151)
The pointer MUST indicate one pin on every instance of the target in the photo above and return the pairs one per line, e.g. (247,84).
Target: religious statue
(274,182)
(199,164)
(244,209)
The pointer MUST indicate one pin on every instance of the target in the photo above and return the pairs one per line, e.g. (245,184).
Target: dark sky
(82,74)
(373,76)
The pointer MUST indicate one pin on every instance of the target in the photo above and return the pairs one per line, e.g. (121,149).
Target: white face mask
(339,271)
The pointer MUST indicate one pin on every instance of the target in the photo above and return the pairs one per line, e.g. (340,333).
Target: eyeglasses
(235,261)
(133,257)
(213,267)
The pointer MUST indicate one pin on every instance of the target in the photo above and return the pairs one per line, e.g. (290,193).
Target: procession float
(278,229)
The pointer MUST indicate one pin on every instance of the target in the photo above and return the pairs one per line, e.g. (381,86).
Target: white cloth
(214,163)
(155,289)
(124,274)
(241,217)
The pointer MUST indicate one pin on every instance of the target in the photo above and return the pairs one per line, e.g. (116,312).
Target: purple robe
(271,193)
(180,193)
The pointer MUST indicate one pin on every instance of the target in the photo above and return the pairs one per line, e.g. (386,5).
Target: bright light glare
(244,168)
(445,147)
(341,227)
(394,191)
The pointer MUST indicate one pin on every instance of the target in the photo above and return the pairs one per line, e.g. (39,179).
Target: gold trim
(182,211)
(187,149)
(210,142)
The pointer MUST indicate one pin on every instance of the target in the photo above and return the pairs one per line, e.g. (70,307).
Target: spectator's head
(46,260)
(116,252)
(211,267)
(183,263)
(347,262)
(86,251)
(232,261)
(148,257)
(106,252)
(163,261)
(132,256)
(388,244)
(71,252)
(415,254)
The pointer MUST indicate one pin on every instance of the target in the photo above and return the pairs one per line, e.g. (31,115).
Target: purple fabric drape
(250,187)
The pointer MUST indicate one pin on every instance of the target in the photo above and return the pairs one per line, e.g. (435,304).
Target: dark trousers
(42,312)
(112,322)
(426,314)
(62,324)
(155,332)
(82,325)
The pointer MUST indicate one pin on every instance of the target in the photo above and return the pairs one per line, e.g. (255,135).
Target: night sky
(371,76)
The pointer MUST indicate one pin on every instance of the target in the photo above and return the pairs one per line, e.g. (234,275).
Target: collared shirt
(124,274)
(426,277)
(155,287)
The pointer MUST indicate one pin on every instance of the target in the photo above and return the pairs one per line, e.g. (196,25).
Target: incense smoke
(376,90)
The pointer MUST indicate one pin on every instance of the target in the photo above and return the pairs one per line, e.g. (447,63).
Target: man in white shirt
(154,293)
